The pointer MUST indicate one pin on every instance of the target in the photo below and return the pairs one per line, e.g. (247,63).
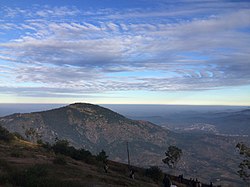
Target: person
(132,174)
(180,178)
(166,181)
(196,184)
(105,168)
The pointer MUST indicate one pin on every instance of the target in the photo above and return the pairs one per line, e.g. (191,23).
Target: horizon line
(218,105)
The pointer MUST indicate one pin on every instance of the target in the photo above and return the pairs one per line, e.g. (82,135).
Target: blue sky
(125,52)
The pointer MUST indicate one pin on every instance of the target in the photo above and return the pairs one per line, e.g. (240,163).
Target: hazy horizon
(124,109)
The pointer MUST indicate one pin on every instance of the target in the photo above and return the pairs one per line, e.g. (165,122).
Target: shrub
(155,173)
(81,154)
(5,135)
(102,156)
(173,155)
(61,146)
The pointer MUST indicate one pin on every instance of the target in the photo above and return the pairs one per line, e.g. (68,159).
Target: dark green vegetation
(93,128)
(55,165)
(62,147)
(244,166)
(5,135)
(173,155)
(102,157)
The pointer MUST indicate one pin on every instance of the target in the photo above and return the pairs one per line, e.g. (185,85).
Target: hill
(226,122)
(27,164)
(24,163)
(95,128)
(89,126)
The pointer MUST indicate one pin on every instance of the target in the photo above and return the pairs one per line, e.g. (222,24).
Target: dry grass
(74,173)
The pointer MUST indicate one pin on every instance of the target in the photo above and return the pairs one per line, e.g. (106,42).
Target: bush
(102,156)
(62,147)
(155,173)
(5,135)
(81,154)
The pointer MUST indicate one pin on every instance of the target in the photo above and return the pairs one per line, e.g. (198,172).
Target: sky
(194,52)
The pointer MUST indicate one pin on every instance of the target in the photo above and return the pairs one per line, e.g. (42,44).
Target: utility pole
(128,155)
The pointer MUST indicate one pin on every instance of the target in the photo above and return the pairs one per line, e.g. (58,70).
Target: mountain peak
(85,125)
(97,111)
(81,105)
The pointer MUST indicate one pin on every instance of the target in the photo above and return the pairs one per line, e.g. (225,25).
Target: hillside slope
(91,127)
(27,164)
(95,128)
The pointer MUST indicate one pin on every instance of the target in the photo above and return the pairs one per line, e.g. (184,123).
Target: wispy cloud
(87,54)
(57,12)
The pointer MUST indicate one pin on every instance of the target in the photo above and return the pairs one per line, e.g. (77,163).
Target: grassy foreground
(25,164)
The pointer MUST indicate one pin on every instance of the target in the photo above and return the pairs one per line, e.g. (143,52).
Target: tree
(244,166)
(5,135)
(62,147)
(102,156)
(173,155)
